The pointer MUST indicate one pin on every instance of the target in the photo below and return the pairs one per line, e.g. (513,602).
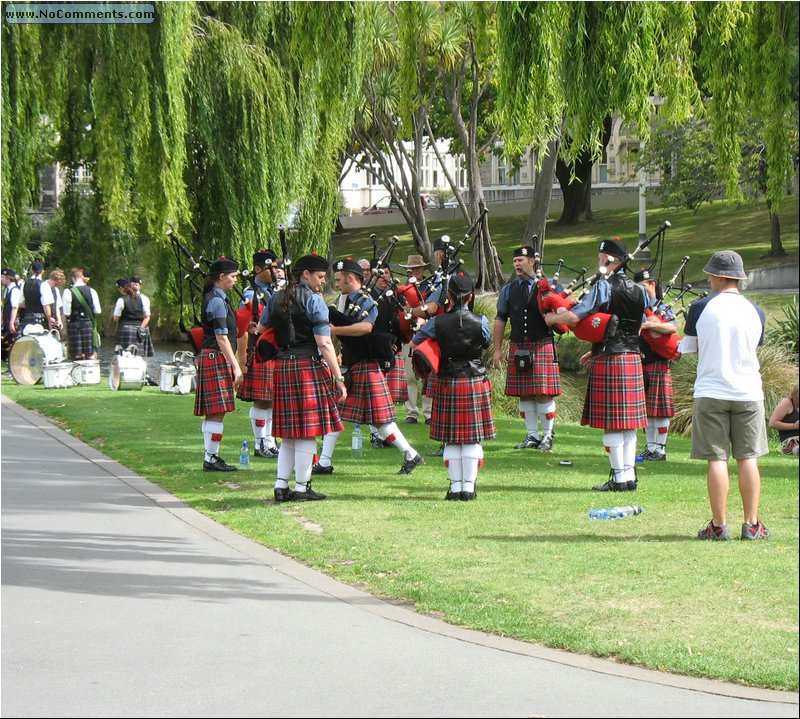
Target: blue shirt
(217,309)
(599,295)
(247,294)
(428,330)
(505,290)
(315,308)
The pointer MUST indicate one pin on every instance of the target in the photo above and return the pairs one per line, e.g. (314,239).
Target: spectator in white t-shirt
(724,330)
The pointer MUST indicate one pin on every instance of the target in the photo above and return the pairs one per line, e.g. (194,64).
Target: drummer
(81,307)
(11,299)
(132,315)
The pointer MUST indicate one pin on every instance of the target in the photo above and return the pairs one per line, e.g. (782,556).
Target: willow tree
(584,61)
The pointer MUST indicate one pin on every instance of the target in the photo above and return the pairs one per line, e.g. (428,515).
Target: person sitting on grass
(786,419)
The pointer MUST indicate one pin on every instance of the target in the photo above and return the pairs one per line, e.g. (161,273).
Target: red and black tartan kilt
(127,335)
(214,389)
(462,410)
(615,393)
(368,398)
(543,377)
(81,340)
(396,379)
(257,383)
(304,404)
(658,389)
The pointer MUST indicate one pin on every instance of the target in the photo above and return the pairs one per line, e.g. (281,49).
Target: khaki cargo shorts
(721,428)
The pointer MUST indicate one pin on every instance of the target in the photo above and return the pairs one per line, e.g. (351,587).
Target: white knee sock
(629,454)
(258,422)
(328,445)
(527,408)
(662,430)
(650,434)
(547,413)
(391,432)
(452,460)
(471,460)
(304,451)
(285,463)
(615,443)
(212,436)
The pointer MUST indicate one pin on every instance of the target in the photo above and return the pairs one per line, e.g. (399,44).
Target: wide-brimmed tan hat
(414,261)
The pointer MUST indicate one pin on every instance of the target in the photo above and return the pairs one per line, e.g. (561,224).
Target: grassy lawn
(722,225)
(523,560)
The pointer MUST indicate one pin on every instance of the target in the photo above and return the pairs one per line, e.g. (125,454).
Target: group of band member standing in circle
(300,391)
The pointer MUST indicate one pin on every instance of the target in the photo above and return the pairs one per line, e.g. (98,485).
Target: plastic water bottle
(357,442)
(244,456)
(614,512)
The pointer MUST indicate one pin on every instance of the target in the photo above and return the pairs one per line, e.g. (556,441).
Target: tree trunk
(542,190)
(577,194)
(776,246)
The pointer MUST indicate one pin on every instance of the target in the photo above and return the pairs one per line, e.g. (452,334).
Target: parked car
(453,202)
(387,205)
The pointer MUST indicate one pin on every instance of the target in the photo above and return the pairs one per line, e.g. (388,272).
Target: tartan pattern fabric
(126,335)
(615,393)
(396,379)
(214,388)
(368,399)
(543,378)
(303,405)
(462,410)
(257,383)
(658,393)
(80,338)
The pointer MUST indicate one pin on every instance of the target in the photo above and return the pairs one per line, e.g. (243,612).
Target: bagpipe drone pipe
(190,270)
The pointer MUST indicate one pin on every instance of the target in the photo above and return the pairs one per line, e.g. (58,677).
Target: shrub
(784,331)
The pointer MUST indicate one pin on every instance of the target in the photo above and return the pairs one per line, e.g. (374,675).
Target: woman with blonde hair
(786,419)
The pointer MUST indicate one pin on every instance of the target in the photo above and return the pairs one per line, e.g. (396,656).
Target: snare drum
(58,375)
(127,371)
(31,353)
(86,372)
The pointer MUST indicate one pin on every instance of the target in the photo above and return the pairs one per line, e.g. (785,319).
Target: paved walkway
(120,601)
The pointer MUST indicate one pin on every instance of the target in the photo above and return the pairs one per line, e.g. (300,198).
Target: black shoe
(452,495)
(409,465)
(378,443)
(656,456)
(530,442)
(217,464)
(437,452)
(283,494)
(428,420)
(545,444)
(612,486)
(150,381)
(266,452)
(308,496)
(467,496)
(319,469)
(411,420)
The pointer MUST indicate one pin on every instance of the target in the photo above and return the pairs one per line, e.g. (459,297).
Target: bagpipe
(190,271)
(598,326)
(380,344)
(666,344)
(265,346)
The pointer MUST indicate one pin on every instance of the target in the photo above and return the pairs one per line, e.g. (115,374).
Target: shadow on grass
(586,538)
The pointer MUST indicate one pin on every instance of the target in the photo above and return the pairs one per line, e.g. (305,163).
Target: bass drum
(127,371)
(31,353)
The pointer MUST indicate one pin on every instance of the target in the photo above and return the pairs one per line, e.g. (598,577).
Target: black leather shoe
(319,469)
(217,464)
(283,494)
(467,496)
(612,486)
(437,452)
(266,453)
(308,496)
(409,465)
(378,443)
(452,495)
(428,420)
(530,443)
(411,420)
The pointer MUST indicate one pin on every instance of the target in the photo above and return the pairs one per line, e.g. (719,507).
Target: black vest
(76,308)
(527,323)
(461,343)
(209,338)
(627,304)
(294,332)
(33,300)
(132,310)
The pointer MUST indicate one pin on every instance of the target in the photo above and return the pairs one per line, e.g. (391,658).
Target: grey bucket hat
(726,263)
